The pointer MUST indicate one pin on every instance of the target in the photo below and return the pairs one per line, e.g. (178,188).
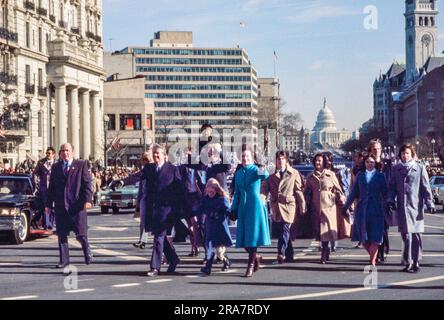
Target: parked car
(437,182)
(18,208)
(117,198)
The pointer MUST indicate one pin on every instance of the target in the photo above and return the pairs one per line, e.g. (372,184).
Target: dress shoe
(88,256)
(408,268)
(173,265)
(153,273)
(416,269)
(137,244)
(279,260)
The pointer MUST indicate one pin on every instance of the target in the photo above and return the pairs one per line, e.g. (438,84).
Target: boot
(257,262)
(227,264)
(250,266)
(208,265)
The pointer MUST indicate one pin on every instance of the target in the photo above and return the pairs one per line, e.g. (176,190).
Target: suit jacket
(164,195)
(69,195)
(286,195)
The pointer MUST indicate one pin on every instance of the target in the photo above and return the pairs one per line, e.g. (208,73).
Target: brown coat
(322,190)
(286,196)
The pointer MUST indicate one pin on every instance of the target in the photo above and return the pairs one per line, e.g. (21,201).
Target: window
(27,31)
(40,124)
(130,122)
(28,74)
(112,122)
(40,78)
(40,40)
(149,122)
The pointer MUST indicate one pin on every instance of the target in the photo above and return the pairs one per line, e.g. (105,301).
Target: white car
(436,183)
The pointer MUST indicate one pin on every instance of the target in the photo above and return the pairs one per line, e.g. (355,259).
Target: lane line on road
(79,290)
(158,280)
(19,298)
(117,229)
(126,285)
(434,227)
(354,290)
(434,215)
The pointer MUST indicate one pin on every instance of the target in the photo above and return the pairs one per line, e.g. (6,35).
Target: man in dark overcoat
(70,194)
(41,176)
(164,192)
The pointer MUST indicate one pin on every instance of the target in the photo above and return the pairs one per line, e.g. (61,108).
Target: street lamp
(105,129)
(417,148)
(433,149)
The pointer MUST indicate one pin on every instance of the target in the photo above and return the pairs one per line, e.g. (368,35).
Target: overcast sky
(322,46)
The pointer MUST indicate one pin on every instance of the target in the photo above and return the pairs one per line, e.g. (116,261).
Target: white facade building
(52,55)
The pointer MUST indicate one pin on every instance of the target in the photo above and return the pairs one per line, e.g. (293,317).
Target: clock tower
(421,34)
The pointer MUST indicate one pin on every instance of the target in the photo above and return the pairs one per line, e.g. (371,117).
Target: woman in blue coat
(370,188)
(252,218)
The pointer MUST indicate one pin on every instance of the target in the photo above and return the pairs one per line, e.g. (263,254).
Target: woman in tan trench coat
(322,191)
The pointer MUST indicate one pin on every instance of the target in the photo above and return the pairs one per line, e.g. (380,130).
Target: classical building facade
(201,85)
(296,140)
(129,118)
(419,105)
(325,135)
(52,57)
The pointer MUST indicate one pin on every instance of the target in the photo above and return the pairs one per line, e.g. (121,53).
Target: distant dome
(326,119)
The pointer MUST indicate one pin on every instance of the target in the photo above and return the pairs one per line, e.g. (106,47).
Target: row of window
(195,52)
(195,69)
(195,87)
(128,122)
(187,61)
(202,104)
(161,124)
(198,96)
(199,78)
(201,113)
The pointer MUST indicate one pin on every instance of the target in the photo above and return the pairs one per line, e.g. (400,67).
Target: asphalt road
(119,270)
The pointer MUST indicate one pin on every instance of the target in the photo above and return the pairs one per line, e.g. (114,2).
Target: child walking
(215,207)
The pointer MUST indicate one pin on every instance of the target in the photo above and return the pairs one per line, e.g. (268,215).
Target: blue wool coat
(216,211)
(252,224)
(368,225)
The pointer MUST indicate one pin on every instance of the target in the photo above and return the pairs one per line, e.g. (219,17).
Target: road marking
(195,276)
(20,298)
(122,255)
(10,264)
(354,290)
(79,290)
(434,215)
(433,227)
(158,280)
(126,285)
(109,229)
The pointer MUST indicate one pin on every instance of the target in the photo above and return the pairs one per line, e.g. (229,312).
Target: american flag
(115,144)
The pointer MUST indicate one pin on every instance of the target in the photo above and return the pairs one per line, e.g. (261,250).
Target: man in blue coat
(164,194)
(70,193)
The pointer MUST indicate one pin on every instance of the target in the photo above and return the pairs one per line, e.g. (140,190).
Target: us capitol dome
(325,135)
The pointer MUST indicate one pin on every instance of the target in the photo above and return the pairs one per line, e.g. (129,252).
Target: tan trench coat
(322,190)
(286,195)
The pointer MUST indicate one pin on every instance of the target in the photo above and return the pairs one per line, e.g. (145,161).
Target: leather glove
(233,215)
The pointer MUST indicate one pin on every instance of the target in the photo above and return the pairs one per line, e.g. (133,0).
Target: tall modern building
(188,84)
(51,77)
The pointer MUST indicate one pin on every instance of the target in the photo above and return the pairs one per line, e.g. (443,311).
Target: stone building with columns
(52,57)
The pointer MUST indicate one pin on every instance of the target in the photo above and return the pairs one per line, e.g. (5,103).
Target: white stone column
(61,115)
(97,126)
(75,121)
(86,129)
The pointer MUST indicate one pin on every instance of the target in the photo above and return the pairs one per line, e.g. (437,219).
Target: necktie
(66,169)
